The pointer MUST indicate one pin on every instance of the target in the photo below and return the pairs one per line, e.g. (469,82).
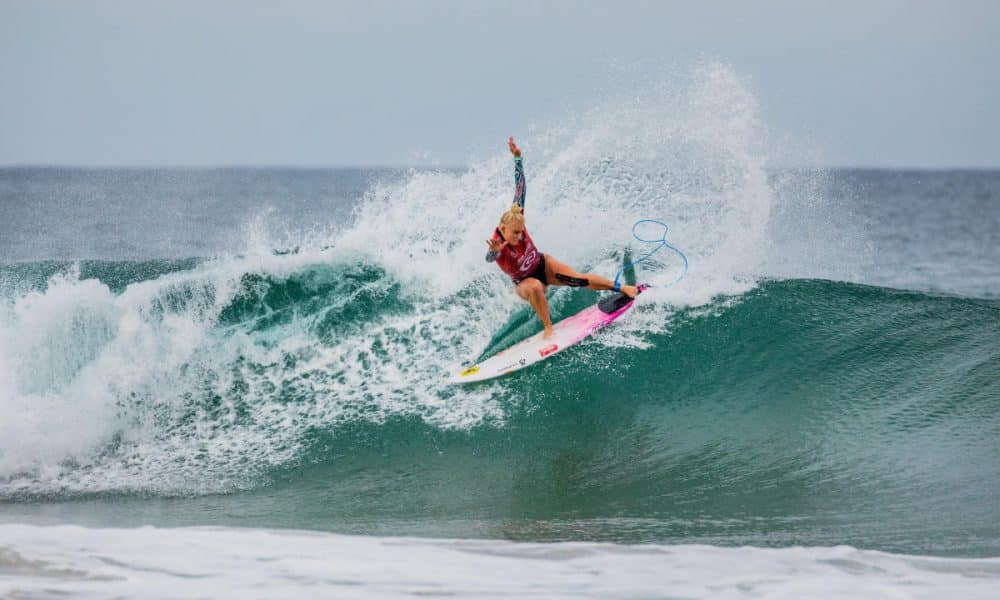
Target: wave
(764,385)
(844,390)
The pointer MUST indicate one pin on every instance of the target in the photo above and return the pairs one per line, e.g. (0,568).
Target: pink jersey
(521,261)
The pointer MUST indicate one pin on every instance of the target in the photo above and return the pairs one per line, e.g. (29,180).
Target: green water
(803,412)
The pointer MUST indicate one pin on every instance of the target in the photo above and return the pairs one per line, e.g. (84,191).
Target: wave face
(763,400)
(806,410)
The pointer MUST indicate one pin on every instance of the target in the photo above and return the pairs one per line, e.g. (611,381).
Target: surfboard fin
(628,268)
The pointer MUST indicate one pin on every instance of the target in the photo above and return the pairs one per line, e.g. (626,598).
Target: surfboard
(565,333)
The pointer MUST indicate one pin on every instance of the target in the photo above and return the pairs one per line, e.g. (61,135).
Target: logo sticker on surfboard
(469,371)
(548,350)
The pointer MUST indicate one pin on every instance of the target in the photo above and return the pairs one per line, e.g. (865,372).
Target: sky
(898,84)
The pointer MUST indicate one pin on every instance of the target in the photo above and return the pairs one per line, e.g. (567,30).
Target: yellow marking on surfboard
(470,371)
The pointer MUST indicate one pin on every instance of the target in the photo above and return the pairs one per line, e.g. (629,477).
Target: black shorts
(538,273)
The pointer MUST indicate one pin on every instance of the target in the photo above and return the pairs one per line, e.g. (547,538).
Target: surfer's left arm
(519,188)
(497,242)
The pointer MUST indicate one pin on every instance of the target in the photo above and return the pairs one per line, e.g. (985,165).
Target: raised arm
(519,187)
(497,242)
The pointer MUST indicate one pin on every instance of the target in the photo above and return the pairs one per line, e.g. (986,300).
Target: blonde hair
(514,215)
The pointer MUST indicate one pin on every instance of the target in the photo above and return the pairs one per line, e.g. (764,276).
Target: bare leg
(594,281)
(533,291)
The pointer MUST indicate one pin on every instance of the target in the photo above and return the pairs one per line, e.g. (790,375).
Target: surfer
(531,271)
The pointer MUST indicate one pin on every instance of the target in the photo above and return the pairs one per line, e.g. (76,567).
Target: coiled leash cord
(663,243)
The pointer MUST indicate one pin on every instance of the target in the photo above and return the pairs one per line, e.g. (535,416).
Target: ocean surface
(231,382)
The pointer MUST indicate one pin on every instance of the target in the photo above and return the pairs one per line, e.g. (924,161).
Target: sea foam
(236,563)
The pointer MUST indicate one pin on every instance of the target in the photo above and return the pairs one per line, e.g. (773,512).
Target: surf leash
(663,243)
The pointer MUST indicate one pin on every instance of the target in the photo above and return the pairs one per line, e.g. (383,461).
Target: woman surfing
(531,271)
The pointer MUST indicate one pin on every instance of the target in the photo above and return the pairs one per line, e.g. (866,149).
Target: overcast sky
(874,83)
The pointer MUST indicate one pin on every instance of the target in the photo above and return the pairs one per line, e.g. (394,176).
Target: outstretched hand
(496,244)
(513,147)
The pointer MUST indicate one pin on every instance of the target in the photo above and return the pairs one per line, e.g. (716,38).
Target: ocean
(231,381)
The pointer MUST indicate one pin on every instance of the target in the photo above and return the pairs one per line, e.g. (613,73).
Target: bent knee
(531,287)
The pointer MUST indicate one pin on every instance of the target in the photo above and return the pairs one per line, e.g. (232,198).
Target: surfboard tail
(616,302)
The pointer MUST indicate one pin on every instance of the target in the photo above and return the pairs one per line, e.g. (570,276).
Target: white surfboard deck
(565,333)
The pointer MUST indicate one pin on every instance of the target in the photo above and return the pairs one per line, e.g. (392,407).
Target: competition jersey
(520,261)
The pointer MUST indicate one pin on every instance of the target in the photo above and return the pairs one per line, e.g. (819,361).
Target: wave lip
(235,563)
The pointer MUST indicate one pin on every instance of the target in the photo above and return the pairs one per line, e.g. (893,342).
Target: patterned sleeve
(519,188)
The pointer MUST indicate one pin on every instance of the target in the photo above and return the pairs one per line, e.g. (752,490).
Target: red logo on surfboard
(547,350)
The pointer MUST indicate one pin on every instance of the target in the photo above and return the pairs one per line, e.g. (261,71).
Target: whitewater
(247,371)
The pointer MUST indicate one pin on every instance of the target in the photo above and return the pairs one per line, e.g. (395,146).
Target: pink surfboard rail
(565,333)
